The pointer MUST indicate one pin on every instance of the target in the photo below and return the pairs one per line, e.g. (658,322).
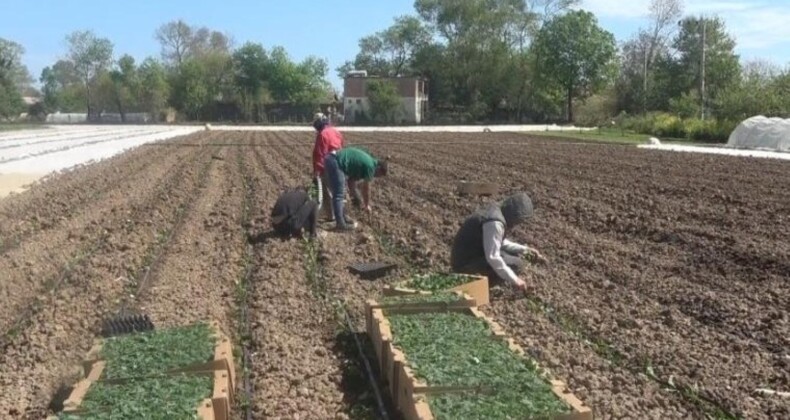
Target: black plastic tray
(371,270)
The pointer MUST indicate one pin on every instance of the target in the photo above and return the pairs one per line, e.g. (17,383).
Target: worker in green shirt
(359,167)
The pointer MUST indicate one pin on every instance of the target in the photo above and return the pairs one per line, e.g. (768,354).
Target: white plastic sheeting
(761,133)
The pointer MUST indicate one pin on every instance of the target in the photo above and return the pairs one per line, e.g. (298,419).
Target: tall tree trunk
(88,98)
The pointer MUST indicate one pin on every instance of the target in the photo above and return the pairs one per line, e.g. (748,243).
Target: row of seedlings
(183,372)
(444,359)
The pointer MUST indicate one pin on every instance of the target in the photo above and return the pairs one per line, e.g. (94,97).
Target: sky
(328,29)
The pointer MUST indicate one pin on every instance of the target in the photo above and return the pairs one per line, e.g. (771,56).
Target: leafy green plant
(153,352)
(175,397)
(440,297)
(458,350)
(435,282)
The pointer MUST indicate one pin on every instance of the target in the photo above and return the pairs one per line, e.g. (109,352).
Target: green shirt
(356,163)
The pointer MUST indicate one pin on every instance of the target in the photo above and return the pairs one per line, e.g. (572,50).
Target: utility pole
(704,52)
(644,87)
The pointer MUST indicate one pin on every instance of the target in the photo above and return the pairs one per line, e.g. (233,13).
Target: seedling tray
(222,359)
(476,287)
(371,270)
(216,407)
(411,395)
(220,369)
(477,188)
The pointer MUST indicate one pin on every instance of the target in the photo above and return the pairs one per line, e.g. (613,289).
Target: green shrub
(670,126)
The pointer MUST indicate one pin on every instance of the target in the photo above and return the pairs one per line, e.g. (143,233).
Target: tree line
(200,75)
(545,61)
(488,61)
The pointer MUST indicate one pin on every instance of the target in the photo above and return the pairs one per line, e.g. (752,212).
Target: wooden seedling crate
(409,393)
(477,188)
(466,301)
(222,361)
(217,407)
(476,287)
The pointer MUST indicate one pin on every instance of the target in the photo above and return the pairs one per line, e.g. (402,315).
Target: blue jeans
(337,183)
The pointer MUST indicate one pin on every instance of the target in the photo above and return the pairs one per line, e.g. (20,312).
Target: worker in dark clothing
(294,213)
(480,246)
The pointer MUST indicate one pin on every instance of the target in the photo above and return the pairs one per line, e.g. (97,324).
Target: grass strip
(435,282)
(175,397)
(151,353)
(452,349)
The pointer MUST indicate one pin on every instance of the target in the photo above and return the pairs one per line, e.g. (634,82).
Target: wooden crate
(409,393)
(477,188)
(476,287)
(222,361)
(466,301)
(218,407)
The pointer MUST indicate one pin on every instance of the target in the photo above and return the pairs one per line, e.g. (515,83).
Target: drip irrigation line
(178,224)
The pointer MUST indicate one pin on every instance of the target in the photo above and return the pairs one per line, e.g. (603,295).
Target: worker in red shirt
(327,140)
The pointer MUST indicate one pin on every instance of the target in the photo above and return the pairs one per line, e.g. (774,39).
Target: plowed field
(666,295)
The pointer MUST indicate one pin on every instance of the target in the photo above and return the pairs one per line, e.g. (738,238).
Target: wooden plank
(476,288)
(477,188)
(81,388)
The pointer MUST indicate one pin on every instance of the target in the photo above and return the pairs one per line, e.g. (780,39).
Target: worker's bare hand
(523,287)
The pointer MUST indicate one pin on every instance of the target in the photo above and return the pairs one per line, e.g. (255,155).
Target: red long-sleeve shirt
(327,141)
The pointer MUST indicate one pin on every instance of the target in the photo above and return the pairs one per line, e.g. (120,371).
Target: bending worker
(327,140)
(480,246)
(294,213)
(360,168)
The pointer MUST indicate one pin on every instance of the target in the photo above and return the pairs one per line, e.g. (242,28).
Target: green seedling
(155,352)
(439,297)
(458,350)
(174,397)
(435,282)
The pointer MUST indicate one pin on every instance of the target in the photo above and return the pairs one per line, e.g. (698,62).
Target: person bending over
(295,213)
(480,246)
(359,167)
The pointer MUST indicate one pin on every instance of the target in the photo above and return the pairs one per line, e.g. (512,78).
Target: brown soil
(676,262)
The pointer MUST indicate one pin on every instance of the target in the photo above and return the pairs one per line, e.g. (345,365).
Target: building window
(350,101)
(359,101)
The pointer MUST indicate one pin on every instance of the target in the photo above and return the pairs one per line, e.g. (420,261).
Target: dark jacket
(293,212)
(468,242)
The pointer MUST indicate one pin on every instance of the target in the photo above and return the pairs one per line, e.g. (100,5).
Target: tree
(575,53)
(190,90)
(62,88)
(125,85)
(385,103)
(11,66)
(250,64)
(176,39)
(154,89)
(91,56)
(391,51)
(13,78)
(758,92)
(706,61)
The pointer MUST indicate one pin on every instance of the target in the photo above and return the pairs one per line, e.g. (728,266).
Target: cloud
(760,27)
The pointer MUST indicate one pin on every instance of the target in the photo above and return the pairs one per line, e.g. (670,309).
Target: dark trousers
(305,218)
(480,266)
